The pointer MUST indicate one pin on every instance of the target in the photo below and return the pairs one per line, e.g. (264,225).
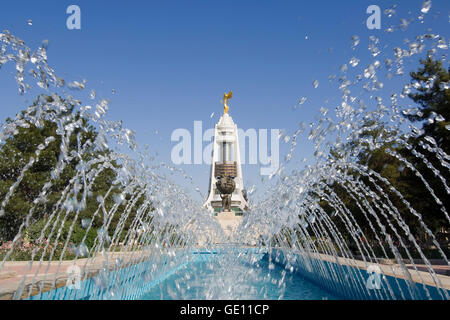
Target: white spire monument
(226,161)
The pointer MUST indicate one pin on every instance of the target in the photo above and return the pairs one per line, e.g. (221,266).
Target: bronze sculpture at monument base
(226,186)
(226,202)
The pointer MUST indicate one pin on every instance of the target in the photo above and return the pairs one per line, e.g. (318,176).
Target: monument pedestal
(228,221)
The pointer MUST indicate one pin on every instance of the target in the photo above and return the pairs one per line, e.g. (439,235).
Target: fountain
(103,220)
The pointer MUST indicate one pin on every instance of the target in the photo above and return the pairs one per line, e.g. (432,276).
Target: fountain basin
(246,278)
(207,274)
(349,278)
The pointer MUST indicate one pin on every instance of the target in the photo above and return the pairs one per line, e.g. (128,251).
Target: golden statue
(226,97)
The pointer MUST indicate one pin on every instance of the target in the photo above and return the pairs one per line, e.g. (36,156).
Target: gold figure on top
(226,97)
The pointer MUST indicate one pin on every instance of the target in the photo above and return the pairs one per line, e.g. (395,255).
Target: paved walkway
(439,269)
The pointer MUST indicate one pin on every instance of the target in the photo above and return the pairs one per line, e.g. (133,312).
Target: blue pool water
(239,273)
(214,279)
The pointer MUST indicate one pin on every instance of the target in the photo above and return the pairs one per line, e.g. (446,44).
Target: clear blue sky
(171,61)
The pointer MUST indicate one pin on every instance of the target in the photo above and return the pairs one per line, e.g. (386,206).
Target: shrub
(34,232)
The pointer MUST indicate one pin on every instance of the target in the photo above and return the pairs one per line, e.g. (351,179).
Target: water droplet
(119,198)
(85,223)
(442,44)
(430,140)
(30,22)
(404,24)
(445,85)
(302,100)
(439,118)
(426,5)
(316,84)
(75,85)
(390,12)
(354,62)
(355,41)
(369,72)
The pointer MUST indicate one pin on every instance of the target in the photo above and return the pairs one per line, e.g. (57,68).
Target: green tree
(432,83)
(433,96)
(17,151)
